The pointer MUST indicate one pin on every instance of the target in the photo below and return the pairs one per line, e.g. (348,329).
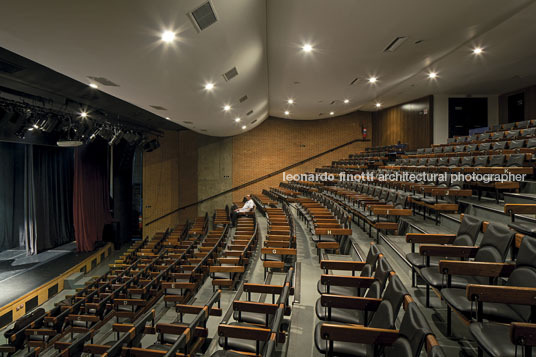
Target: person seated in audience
(249,206)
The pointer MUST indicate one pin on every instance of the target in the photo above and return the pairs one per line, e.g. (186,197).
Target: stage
(29,281)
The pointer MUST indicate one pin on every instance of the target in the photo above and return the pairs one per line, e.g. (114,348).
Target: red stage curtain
(91,201)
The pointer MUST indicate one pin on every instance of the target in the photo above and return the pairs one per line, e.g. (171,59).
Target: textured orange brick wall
(171,173)
(277,143)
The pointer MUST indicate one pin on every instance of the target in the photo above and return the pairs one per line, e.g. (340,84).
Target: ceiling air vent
(397,42)
(104,81)
(230,74)
(203,16)
(249,113)
(10,68)
(157,107)
(354,80)
(204,130)
(332,102)
(243,99)
(187,122)
(254,121)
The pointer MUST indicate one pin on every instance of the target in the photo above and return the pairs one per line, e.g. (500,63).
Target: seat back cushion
(524,274)
(515,160)
(468,231)
(415,328)
(495,244)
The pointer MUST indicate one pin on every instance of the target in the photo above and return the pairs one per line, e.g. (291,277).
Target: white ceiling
(120,40)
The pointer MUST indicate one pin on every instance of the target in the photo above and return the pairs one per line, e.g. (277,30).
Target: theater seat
(493,338)
(238,344)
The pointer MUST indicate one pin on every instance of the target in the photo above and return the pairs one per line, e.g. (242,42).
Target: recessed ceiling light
(243,127)
(477,50)
(209,86)
(432,75)
(168,36)
(287,112)
(307,47)
(83,114)
(30,129)
(331,113)
(227,107)
(378,104)
(237,120)
(168,118)
(373,80)
(93,85)
(290,101)
(346,101)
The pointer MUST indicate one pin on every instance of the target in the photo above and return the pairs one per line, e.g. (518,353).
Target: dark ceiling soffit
(37,81)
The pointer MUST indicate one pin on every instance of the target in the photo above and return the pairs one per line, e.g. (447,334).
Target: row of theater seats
(171,264)
(493,136)
(516,125)
(253,326)
(506,146)
(279,251)
(445,163)
(460,283)
(78,313)
(358,314)
(327,222)
(490,283)
(234,253)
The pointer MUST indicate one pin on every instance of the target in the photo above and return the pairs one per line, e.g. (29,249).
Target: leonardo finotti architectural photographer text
(405,176)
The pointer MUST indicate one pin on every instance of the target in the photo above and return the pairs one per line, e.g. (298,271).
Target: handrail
(252,182)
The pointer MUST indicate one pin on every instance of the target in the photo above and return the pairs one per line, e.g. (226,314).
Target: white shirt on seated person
(248,206)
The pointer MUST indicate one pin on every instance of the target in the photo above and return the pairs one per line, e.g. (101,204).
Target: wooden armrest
(430,238)
(122,327)
(519,208)
(227,269)
(358,334)
(327,245)
(372,207)
(451,192)
(194,310)
(244,332)
(342,265)
(263,288)
(40,331)
(392,212)
(350,302)
(341,280)
(279,251)
(455,267)
(96,349)
(501,294)
(460,251)
(333,231)
(523,333)
(251,306)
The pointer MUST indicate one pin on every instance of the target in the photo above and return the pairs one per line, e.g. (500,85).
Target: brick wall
(177,173)
(277,143)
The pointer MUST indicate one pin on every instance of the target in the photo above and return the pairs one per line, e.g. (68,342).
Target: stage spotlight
(118,135)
